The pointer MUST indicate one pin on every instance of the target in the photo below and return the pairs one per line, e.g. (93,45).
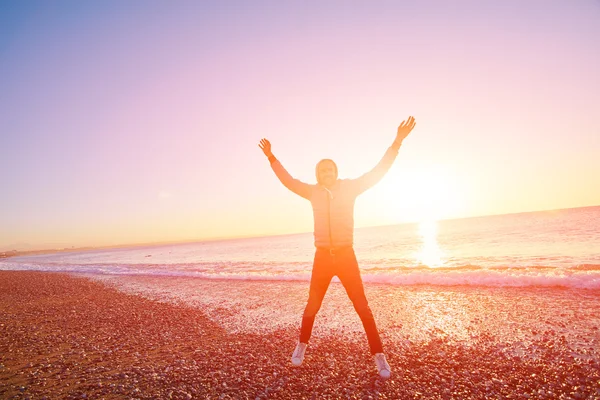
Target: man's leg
(322,273)
(349,274)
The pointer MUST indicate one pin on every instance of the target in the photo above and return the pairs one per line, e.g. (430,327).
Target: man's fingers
(408,124)
(265,145)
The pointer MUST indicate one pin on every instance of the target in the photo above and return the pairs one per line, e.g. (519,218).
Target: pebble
(150,350)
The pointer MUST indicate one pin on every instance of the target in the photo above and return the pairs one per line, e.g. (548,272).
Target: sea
(558,248)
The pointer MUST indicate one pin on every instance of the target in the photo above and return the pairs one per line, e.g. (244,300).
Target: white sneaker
(298,355)
(382,366)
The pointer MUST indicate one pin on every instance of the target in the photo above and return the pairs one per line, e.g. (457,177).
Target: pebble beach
(72,337)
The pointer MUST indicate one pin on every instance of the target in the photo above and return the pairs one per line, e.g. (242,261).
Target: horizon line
(225,238)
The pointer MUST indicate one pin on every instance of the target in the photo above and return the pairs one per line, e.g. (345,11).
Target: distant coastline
(17,253)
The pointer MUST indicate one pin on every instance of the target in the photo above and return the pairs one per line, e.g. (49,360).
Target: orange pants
(343,264)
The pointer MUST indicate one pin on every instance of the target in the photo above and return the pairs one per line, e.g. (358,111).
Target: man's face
(327,173)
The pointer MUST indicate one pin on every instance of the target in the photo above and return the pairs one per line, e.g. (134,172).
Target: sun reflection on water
(430,254)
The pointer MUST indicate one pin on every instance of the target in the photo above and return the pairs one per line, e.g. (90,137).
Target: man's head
(327,173)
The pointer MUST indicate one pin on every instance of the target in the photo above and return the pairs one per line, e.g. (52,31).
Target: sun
(422,193)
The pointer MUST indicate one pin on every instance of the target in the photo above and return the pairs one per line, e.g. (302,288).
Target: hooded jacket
(333,209)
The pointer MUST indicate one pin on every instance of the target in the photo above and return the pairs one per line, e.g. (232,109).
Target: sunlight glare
(425,193)
(430,254)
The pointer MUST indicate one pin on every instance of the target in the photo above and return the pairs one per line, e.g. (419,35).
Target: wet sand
(63,336)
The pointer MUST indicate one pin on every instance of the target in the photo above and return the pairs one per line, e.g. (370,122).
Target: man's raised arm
(369,179)
(300,188)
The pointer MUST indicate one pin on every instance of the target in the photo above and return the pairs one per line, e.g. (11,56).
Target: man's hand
(404,129)
(265,146)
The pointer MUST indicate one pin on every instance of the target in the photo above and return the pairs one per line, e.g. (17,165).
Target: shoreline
(63,336)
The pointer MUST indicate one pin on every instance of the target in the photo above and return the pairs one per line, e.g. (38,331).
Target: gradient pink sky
(139,122)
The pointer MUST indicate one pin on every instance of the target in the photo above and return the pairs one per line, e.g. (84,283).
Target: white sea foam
(534,276)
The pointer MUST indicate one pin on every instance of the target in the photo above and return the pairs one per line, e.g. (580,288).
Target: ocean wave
(585,276)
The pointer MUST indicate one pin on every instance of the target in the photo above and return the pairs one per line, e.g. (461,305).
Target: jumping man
(332,202)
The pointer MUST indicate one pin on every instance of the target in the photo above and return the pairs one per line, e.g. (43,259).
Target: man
(332,201)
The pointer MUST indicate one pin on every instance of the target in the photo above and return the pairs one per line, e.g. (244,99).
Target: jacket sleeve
(300,188)
(368,180)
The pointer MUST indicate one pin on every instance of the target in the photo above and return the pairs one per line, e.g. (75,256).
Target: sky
(139,121)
